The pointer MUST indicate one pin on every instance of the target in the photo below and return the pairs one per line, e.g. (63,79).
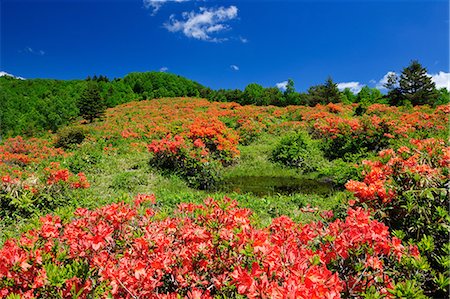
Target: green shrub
(299,150)
(340,172)
(69,136)
(199,175)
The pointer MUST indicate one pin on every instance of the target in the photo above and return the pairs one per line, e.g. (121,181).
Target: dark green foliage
(253,94)
(347,96)
(69,136)
(271,96)
(159,85)
(203,176)
(340,172)
(324,93)
(394,95)
(29,107)
(360,110)
(443,97)
(32,106)
(368,96)
(298,150)
(416,86)
(413,87)
(90,104)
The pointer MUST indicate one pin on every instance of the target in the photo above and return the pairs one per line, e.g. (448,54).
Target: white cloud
(164,69)
(282,85)
(9,75)
(155,5)
(32,51)
(355,87)
(234,67)
(382,81)
(243,40)
(203,24)
(442,79)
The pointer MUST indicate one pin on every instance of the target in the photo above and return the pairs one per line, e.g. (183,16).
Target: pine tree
(90,104)
(324,93)
(416,86)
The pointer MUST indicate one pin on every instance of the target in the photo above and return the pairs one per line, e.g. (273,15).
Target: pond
(268,185)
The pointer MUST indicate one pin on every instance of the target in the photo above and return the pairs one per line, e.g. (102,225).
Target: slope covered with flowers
(29,169)
(389,240)
(148,120)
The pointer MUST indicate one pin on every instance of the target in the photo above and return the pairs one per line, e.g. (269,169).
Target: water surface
(268,185)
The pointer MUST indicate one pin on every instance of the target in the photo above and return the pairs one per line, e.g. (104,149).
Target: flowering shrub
(203,251)
(212,135)
(198,154)
(408,189)
(343,136)
(26,184)
(191,160)
(20,152)
(335,125)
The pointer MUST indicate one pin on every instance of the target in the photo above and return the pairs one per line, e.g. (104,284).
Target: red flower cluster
(168,144)
(21,168)
(56,174)
(215,136)
(202,141)
(19,151)
(427,158)
(201,252)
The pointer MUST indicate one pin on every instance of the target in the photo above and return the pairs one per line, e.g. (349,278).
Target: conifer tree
(416,86)
(90,104)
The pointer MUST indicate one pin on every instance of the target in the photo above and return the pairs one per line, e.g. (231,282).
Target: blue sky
(225,44)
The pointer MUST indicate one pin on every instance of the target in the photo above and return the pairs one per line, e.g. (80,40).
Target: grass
(121,174)
(254,160)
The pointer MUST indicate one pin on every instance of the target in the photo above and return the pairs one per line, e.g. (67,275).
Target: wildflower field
(134,205)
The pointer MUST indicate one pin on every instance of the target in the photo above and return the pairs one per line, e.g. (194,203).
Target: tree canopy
(416,85)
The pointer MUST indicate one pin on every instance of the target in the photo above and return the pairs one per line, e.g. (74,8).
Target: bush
(340,172)
(85,158)
(192,161)
(300,151)
(31,179)
(408,190)
(69,136)
(202,251)
(341,136)
(42,191)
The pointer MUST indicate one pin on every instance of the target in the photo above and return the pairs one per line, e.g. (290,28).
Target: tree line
(32,106)
(413,87)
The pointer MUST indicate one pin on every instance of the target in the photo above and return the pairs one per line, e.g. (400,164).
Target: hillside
(34,106)
(210,198)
